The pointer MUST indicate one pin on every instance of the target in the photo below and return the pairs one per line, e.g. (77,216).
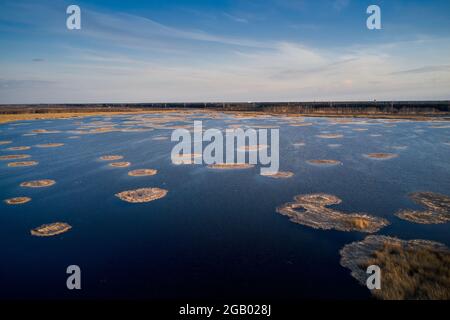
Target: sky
(223,50)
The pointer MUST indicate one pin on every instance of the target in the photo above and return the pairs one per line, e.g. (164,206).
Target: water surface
(216,234)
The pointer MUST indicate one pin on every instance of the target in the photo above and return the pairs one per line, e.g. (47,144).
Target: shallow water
(216,234)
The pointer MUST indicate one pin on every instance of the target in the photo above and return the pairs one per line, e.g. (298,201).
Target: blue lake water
(216,235)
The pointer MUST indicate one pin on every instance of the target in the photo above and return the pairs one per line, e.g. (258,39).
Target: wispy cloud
(120,57)
(124,28)
(426,69)
(235,18)
(128,26)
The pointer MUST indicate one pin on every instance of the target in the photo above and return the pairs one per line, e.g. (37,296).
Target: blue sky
(223,50)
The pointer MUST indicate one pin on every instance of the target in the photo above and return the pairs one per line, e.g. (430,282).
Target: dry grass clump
(135,130)
(262,126)
(14,156)
(279,174)
(62,115)
(142,172)
(299,144)
(142,195)
(120,164)
(334,145)
(345,121)
(437,209)
(17,200)
(324,162)
(440,127)
(253,148)
(111,158)
(410,270)
(230,166)
(301,124)
(52,229)
(416,273)
(312,211)
(50,145)
(22,164)
(330,136)
(18,148)
(102,130)
(399,147)
(360,129)
(38,183)
(381,156)
(44,131)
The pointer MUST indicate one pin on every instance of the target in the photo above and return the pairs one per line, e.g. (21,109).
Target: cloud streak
(235,18)
(426,69)
(120,57)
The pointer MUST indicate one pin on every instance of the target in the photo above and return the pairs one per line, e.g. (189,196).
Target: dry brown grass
(18,200)
(11,117)
(120,164)
(142,195)
(111,158)
(15,156)
(52,229)
(324,162)
(23,164)
(359,223)
(4,118)
(437,209)
(313,210)
(230,166)
(412,273)
(381,156)
(38,183)
(410,270)
(142,172)
(278,175)
(50,145)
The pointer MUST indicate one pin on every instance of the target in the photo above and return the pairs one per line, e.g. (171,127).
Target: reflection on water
(215,233)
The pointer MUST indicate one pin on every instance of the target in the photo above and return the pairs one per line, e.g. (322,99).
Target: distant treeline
(335,108)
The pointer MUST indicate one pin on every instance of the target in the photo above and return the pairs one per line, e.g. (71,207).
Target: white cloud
(137,59)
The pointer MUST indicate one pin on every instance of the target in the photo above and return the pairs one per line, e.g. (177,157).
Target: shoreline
(50,113)
(13,117)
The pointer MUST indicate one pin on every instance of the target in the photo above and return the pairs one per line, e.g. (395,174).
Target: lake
(216,235)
